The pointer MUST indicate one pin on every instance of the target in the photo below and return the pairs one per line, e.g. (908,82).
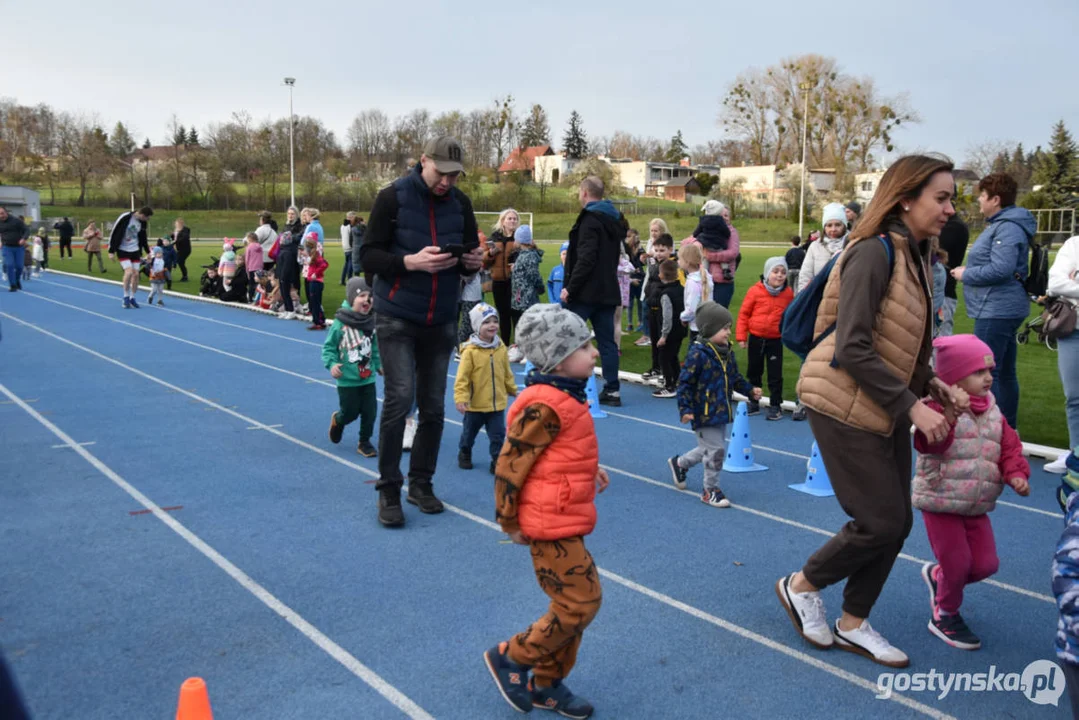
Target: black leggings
(668,356)
(766,353)
(181,260)
(502,291)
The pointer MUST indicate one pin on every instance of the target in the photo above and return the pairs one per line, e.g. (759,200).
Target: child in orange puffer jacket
(545,484)
(759,321)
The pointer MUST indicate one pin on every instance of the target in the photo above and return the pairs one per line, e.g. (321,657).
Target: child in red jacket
(759,321)
(545,485)
(314,274)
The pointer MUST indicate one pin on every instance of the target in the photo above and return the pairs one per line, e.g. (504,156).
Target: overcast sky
(973,71)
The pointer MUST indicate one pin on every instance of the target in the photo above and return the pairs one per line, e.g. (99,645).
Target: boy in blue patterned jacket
(709,377)
(1066,581)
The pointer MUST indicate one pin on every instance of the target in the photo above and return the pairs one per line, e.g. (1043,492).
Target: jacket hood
(1020,216)
(603,206)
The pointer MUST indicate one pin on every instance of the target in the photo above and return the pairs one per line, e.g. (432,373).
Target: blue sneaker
(511,678)
(559,699)
(127,302)
(134,304)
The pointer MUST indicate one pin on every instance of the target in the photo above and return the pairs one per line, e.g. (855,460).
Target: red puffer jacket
(558,499)
(761,314)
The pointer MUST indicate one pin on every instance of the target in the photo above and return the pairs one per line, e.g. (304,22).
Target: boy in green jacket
(351,355)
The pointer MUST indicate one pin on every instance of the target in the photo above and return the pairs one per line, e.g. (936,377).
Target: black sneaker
(366,449)
(464,459)
(931,583)
(774,413)
(678,473)
(389,508)
(336,430)
(610,397)
(753,408)
(952,630)
(422,496)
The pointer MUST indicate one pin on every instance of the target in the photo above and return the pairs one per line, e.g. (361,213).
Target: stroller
(1036,325)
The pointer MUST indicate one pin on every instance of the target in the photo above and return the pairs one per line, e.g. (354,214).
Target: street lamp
(291,82)
(805,87)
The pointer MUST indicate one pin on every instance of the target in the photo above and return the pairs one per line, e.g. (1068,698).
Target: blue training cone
(817,482)
(739,447)
(593,398)
(528,367)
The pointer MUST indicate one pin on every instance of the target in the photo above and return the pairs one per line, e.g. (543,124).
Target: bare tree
(84,147)
(503,127)
(981,155)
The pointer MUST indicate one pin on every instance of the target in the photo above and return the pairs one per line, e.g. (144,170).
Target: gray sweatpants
(157,287)
(711,450)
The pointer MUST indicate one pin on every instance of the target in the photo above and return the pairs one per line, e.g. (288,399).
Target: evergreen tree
(121,144)
(575,142)
(1057,171)
(677,149)
(193,137)
(146,144)
(536,131)
(180,136)
(1018,168)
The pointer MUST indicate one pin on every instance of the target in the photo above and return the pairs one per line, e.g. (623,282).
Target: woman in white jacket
(831,242)
(1064,283)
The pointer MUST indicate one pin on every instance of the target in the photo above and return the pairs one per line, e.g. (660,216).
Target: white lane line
(190,315)
(1017,506)
(660,597)
(65,445)
(821,531)
(263,427)
(399,700)
(222,408)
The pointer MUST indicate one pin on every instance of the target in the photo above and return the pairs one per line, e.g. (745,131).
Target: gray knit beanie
(711,317)
(548,334)
(356,285)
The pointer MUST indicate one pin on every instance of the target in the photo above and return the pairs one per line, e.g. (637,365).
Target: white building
(552,169)
(21,201)
(865,186)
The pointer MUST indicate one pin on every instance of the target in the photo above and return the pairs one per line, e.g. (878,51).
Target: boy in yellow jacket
(484,382)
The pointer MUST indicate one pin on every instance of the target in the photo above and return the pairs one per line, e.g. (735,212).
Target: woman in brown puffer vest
(862,385)
(498,256)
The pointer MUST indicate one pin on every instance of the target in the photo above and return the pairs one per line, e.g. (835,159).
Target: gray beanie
(711,317)
(771,263)
(355,286)
(548,334)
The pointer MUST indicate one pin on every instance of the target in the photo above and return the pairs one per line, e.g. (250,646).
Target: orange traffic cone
(194,701)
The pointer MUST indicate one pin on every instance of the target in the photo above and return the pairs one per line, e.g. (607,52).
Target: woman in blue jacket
(993,282)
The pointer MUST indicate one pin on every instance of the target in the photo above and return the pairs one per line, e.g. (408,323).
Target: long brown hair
(905,179)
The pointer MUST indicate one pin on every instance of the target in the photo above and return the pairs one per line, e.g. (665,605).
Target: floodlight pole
(805,124)
(291,152)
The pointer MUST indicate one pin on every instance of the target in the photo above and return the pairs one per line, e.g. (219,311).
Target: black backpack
(1037,282)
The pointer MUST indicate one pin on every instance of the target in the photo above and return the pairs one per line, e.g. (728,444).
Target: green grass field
(1042,398)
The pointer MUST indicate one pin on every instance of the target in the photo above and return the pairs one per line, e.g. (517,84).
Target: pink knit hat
(959,356)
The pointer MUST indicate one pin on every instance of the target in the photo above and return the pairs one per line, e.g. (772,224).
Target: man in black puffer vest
(591,275)
(421,240)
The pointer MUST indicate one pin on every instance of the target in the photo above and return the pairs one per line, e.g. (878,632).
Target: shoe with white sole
(410,435)
(865,641)
(806,611)
(1058,466)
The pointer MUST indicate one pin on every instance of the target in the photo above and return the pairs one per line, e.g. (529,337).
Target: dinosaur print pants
(566,572)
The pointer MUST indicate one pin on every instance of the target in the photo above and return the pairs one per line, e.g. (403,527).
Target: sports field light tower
(804,87)
(291,160)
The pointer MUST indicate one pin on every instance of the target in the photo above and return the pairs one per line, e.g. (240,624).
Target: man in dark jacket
(128,242)
(422,239)
(591,276)
(13,234)
(67,231)
(954,238)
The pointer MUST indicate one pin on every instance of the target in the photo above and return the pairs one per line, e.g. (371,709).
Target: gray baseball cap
(446,152)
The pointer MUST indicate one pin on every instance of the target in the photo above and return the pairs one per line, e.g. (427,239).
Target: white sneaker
(806,611)
(1057,467)
(864,640)
(286,315)
(410,434)
(514,354)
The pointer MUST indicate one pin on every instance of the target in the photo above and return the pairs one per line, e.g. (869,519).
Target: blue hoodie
(604,206)
(990,287)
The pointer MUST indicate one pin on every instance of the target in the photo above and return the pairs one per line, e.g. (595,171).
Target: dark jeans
(495,422)
(358,402)
(65,244)
(414,359)
(346,270)
(502,290)
(668,356)
(723,293)
(766,352)
(13,259)
(602,317)
(314,301)
(871,478)
(181,260)
(999,335)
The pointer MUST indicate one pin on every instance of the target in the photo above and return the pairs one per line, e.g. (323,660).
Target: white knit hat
(834,211)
